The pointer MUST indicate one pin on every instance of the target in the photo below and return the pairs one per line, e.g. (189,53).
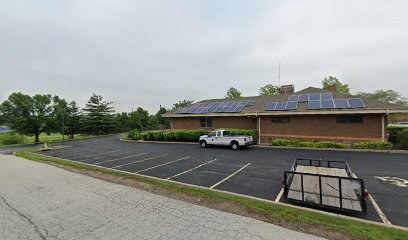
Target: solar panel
(291,106)
(315,97)
(327,104)
(182,110)
(271,106)
(356,103)
(293,98)
(314,105)
(327,96)
(303,98)
(341,103)
(280,106)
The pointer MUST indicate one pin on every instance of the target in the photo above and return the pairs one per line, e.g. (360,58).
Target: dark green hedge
(181,135)
(300,144)
(372,145)
(393,133)
(402,139)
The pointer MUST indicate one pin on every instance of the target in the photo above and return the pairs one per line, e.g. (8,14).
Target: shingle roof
(261,102)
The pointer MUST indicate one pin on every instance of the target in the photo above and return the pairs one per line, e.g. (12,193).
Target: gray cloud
(147,53)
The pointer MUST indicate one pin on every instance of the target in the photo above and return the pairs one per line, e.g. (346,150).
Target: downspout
(383,124)
(259,128)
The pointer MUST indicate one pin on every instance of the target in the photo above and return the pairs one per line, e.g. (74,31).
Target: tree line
(43,113)
(387,96)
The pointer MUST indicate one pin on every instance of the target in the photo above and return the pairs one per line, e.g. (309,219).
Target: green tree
(73,119)
(139,119)
(161,121)
(98,115)
(233,93)
(341,87)
(59,114)
(122,122)
(387,96)
(182,104)
(28,115)
(268,90)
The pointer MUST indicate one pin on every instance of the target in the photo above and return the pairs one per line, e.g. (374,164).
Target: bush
(235,132)
(300,144)
(393,133)
(402,139)
(12,138)
(134,134)
(372,145)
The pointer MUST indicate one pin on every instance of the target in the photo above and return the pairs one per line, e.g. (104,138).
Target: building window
(350,119)
(280,119)
(206,122)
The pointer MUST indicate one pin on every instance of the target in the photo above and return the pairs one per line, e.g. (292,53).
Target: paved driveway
(39,201)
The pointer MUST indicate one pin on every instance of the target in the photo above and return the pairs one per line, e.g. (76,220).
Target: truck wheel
(234,145)
(203,144)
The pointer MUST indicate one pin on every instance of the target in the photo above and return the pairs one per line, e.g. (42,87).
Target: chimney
(287,89)
(331,88)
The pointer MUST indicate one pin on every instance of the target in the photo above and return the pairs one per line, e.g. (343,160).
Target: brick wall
(322,128)
(218,122)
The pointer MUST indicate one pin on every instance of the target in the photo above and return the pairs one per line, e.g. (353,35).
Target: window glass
(212,134)
(349,119)
(280,119)
(226,133)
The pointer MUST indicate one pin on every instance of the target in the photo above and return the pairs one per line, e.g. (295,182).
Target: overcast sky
(147,53)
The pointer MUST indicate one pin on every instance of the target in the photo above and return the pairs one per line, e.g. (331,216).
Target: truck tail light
(365,193)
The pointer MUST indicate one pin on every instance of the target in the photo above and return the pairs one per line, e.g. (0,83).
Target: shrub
(12,138)
(134,134)
(372,145)
(393,133)
(402,139)
(296,143)
(235,132)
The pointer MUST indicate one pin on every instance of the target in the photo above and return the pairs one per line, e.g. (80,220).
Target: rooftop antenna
(279,74)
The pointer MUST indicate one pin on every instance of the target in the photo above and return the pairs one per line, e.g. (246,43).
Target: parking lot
(252,171)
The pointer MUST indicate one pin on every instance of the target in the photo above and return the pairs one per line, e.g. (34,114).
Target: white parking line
(191,169)
(277,199)
(162,164)
(139,161)
(112,155)
(93,154)
(377,208)
(112,160)
(230,176)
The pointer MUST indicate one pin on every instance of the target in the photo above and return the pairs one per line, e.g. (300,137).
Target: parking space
(255,171)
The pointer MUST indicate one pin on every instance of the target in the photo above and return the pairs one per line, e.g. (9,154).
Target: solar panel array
(281,106)
(316,101)
(217,107)
(337,103)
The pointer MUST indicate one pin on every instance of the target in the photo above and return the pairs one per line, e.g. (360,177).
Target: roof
(372,106)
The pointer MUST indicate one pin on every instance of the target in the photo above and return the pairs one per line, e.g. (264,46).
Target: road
(39,201)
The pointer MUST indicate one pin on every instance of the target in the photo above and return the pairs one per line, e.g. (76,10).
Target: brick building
(302,120)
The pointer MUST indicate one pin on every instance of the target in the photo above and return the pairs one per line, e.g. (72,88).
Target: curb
(237,194)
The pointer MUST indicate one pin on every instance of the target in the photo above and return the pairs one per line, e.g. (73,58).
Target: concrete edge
(283,147)
(242,195)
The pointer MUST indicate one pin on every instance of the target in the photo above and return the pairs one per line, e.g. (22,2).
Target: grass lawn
(45,138)
(301,220)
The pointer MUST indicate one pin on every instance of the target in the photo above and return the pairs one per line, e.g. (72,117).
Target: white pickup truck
(224,138)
